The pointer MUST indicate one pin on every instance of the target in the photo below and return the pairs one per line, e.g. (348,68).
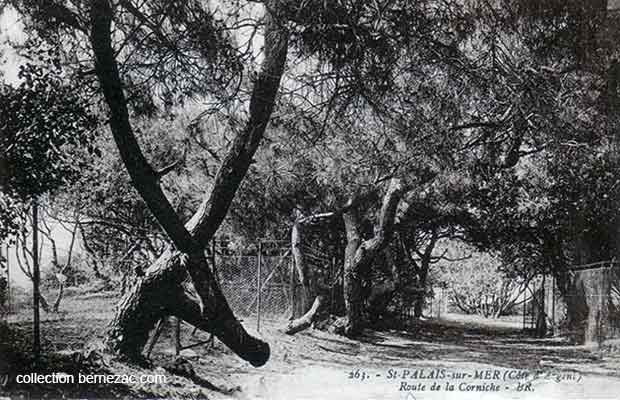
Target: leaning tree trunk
(180,282)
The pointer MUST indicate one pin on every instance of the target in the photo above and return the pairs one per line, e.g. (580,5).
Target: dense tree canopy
(45,126)
(397,122)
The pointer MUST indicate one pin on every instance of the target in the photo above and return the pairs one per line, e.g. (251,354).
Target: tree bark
(56,305)
(359,254)
(421,293)
(180,283)
(352,283)
(381,295)
(586,292)
(425,263)
(303,273)
(309,284)
(306,320)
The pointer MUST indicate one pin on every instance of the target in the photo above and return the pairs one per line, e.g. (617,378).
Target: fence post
(332,278)
(258,285)
(3,296)
(292,288)
(8,281)
(524,303)
(431,312)
(554,329)
(36,345)
(177,335)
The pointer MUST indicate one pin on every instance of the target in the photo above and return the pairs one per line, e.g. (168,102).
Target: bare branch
(167,169)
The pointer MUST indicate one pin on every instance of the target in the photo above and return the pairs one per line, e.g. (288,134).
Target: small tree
(42,126)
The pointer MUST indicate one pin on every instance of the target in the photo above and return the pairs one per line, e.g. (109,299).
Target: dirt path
(480,362)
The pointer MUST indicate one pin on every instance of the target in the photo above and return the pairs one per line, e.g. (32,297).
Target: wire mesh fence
(258,284)
(583,303)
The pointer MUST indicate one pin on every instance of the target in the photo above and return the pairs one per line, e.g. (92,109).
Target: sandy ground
(480,360)
(327,370)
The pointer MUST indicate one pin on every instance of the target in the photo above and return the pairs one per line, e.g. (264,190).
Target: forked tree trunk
(180,283)
(56,305)
(358,255)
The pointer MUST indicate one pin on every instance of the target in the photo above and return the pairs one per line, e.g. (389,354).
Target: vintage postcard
(310,199)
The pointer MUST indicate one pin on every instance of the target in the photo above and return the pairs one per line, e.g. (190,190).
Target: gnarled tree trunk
(302,314)
(180,285)
(422,273)
(586,292)
(359,254)
(180,282)
(382,294)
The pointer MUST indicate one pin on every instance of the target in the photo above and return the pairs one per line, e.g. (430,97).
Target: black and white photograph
(310,199)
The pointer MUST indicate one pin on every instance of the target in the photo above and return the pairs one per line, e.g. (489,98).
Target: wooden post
(431,312)
(177,336)
(332,279)
(292,289)
(524,301)
(258,284)
(553,321)
(541,317)
(2,265)
(36,277)
(157,331)
(8,281)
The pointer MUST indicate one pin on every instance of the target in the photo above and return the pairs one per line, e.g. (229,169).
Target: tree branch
(167,169)
(214,208)
(353,201)
(143,177)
